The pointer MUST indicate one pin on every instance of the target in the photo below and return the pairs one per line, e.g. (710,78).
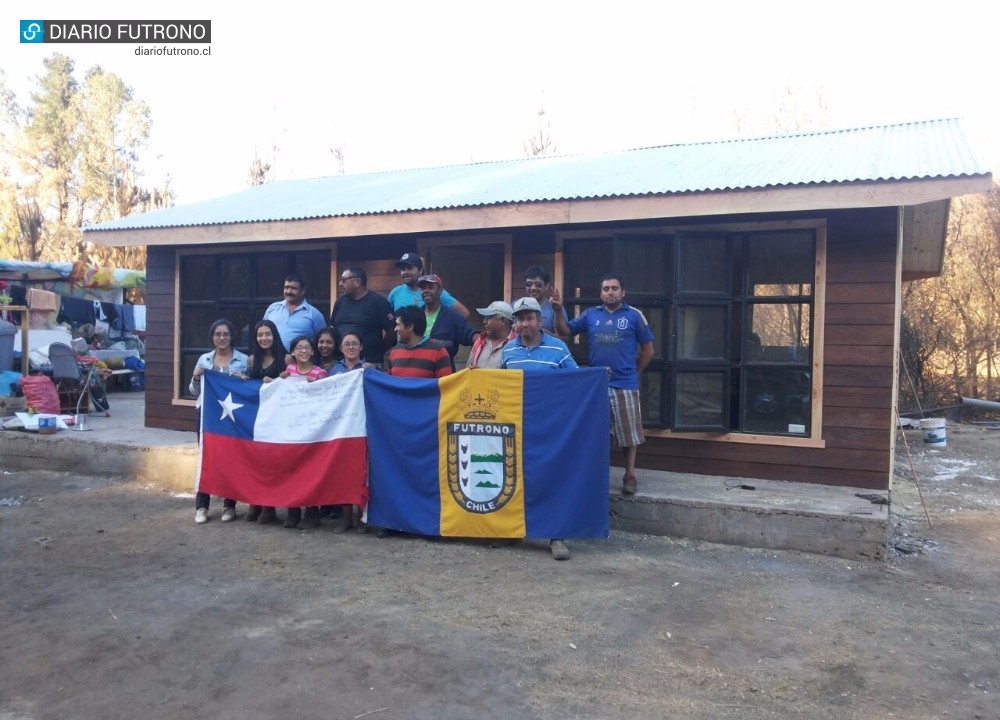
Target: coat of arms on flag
(482,455)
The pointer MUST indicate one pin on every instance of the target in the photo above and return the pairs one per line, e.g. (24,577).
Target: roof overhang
(926,201)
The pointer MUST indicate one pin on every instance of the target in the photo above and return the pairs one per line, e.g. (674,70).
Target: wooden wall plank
(854,335)
(855,294)
(867,355)
(849,314)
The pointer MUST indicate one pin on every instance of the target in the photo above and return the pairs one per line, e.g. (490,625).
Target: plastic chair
(70,382)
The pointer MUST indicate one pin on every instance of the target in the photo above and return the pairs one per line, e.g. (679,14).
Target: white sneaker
(228,514)
(201,516)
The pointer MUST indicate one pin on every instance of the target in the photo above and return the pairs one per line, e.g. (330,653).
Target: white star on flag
(228,406)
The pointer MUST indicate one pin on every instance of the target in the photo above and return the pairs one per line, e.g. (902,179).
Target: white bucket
(934,432)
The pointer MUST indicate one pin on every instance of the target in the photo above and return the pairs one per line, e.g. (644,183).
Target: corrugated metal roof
(911,151)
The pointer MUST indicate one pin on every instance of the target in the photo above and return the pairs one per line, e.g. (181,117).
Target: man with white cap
(534,350)
(411,267)
(498,330)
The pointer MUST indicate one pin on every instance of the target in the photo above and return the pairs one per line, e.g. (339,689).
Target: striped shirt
(426,359)
(550,354)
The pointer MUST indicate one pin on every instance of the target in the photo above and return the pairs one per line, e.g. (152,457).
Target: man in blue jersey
(620,340)
(411,268)
(534,350)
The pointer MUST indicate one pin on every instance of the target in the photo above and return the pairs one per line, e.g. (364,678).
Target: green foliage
(75,152)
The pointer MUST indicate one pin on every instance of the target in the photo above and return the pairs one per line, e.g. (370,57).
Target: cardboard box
(11,405)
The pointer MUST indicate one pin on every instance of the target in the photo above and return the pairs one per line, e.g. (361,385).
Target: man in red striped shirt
(415,356)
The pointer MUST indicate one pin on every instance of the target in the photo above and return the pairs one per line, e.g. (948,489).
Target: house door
(474,274)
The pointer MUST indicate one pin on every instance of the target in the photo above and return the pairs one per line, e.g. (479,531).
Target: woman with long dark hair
(267,362)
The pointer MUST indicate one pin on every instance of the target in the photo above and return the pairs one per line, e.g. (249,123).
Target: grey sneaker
(228,514)
(201,516)
(560,550)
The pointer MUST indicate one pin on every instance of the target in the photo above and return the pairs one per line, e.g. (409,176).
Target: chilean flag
(288,443)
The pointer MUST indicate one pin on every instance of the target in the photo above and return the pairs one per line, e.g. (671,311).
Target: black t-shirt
(367,317)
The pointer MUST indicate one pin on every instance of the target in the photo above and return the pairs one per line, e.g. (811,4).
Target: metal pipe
(985,404)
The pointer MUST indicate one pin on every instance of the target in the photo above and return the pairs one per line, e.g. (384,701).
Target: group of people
(421,326)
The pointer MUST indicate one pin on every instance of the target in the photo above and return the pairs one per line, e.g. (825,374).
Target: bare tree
(540,142)
(260,171)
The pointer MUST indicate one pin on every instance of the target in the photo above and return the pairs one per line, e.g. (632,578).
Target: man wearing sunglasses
(537,284)
(365,313)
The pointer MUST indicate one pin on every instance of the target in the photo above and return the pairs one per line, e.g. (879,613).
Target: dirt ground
(115,604)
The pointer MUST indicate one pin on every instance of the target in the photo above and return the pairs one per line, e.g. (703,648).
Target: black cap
(410,259)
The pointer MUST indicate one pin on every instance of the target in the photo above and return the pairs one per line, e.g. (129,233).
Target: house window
(731,313)
(239,287)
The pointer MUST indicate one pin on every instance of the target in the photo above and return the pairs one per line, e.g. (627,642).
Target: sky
(400,85)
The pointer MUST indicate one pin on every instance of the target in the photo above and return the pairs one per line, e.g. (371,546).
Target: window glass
(779,333)
(703,266)
(701,399)
(271,271)
(701,332)
(586,261)
(651,397)
(780,264)
(195,322)
(643,261)
(243,319)
(235,271)
(314,266)
(198,277)
(655,316)
(776,401)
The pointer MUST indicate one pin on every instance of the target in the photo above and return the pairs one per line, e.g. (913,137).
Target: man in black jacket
(443,324)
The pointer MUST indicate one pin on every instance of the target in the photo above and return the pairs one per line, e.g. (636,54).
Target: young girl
(302,361)
(351,348)
(325,346)
(302,355)
(267,362)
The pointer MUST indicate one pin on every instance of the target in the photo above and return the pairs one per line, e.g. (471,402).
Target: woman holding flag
(226,359)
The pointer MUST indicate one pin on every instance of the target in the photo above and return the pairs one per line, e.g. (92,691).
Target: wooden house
(769,269)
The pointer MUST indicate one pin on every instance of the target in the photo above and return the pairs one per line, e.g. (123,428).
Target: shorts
(626,419)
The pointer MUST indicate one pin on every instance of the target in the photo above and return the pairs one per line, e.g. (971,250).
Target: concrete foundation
(740,511)
(779,515)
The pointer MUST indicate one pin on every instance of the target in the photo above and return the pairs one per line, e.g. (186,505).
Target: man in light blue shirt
(411,268)
(533,350)
(294,316)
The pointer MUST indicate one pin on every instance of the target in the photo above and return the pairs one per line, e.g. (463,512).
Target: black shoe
(385,532)
(310,519)
(293,517)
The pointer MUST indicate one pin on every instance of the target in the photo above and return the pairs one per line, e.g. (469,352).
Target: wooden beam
(563,212)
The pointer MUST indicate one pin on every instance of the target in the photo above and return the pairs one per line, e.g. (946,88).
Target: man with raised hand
(537,284)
